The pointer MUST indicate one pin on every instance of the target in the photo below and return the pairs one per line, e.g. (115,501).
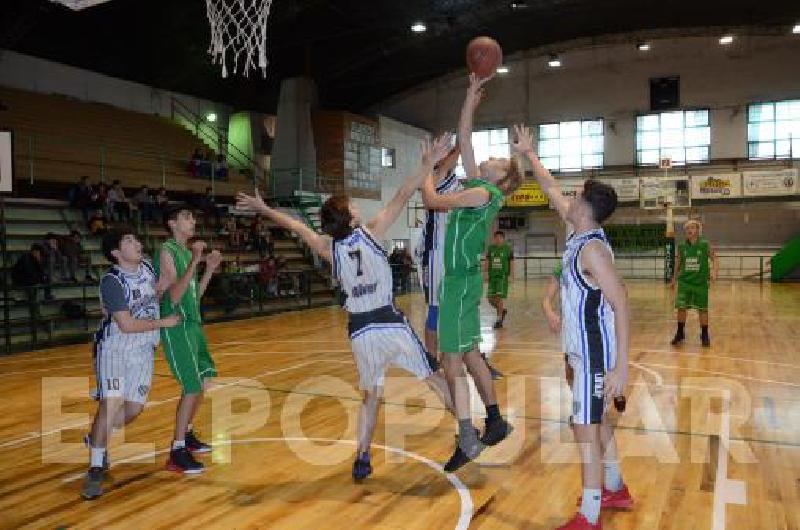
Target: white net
(77,5)
(239,34)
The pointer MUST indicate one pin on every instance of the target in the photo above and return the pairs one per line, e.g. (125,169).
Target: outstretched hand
(252,203)
(434,152)
(523,140)
(475,91)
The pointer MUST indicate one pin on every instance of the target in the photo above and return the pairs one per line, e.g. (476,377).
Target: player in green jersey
(472,213)
(185,346)
(500,267)
(696,267)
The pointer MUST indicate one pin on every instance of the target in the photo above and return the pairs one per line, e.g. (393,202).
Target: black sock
(680,327)
(492,412)
(704,331)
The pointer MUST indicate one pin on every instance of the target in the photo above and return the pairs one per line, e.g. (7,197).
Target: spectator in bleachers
(54,259)
(208,205)
(162,203)
(231,229)
(260,236)
(98,224)
(120,207)
(100,198)
(145,203)
(80,197)
(29,271)
(71,248)
(268,276)
(195,162)
(221,168)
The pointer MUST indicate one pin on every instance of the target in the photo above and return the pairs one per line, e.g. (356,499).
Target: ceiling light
(796,29)
(519,5)
(419,27)
(726,39)
(211,117)
(502,69)
(643,46)
(554,62)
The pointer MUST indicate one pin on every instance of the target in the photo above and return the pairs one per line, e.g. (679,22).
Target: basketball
(484,55)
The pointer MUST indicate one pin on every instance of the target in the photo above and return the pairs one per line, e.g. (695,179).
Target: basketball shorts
(432,272)
(186,351)
(384,338)
(692,296)
(588,384)
(459,313)
(498,286)
(123,372)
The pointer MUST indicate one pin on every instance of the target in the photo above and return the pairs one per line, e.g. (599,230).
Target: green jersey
(694,262)
(465,237)
(189,305)
(499,260)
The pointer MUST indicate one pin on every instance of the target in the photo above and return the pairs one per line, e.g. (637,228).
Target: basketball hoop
(239,33)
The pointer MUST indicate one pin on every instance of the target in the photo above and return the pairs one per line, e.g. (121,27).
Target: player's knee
(586,433)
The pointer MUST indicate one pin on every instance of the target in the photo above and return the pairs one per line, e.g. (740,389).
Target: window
(773,130)
(683,136)
(387,157)
(485,144)
(571,145)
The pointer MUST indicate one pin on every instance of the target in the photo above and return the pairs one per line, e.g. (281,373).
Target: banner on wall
(719,186)
(570,187)
(627,188)
(770,183)
(529,194)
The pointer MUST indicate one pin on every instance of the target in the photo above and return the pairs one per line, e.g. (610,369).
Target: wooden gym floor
(710,439)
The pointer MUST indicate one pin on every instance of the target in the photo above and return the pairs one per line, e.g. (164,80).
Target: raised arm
(319,243)
(474,95)
(596,260)
(431,154)
(523,146)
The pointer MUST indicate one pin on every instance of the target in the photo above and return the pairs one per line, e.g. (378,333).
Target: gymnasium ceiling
(358,51)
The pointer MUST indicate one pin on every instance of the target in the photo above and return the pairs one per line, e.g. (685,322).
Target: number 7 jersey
(362,267)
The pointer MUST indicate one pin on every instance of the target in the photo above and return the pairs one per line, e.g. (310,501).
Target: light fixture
(643,46)
(554,62)
(519,5)
(796,29)
(502,69)
(419,27)
(726,39)
(211,117)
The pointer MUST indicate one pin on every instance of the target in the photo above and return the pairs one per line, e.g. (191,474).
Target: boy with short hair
(124,346)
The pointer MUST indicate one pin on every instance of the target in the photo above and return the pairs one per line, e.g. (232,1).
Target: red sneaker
(579,522)
(614,500)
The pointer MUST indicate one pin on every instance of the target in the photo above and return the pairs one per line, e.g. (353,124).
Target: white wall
(405,139)
(612,81)
(38,75)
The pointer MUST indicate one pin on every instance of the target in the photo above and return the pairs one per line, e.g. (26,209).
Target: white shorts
(380,345)
(588,386)
(123,373)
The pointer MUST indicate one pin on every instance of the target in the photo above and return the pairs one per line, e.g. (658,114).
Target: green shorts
(498,286)
(692,296)
(186,351)
(459,313)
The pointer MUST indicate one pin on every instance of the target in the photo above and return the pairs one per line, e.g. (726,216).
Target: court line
(465,513)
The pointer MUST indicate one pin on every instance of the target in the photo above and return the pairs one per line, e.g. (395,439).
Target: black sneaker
(705,340)
(182,461)
(362,468)
(93,483)
(678,339)
(496,431)
(459,459)
(498,324)
(196,446)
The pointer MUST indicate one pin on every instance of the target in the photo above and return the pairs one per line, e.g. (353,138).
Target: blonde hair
(512,180)
(693,222)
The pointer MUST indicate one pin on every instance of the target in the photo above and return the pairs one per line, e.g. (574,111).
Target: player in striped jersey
(124,346)
(595,330)
(472,212)
(379,333)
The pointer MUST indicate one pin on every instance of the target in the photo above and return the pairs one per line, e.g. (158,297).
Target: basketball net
(239,34)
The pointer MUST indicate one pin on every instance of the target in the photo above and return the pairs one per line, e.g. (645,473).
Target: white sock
(590,505)
(178,444)
(612,476)
(97,455)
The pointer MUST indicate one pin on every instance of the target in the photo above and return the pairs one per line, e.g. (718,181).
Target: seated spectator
(120,207)
(98,223)
(260,236)
(221,168)
(145,203)
(81,197)
(231,229)
(100,199)
(268,276)
(54,258)
(72,249)
(162,203)
(29,271)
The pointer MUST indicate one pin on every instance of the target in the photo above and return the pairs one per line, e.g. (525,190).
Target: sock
(190,428)
(97,456)
(612,476)
(467,439)
(178,444)
(704,331)
(590,505)
(680,327)
(492,412)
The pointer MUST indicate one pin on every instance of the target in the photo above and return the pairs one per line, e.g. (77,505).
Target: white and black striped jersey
(361,266)
(136,292)
(587,317)
(429,252)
